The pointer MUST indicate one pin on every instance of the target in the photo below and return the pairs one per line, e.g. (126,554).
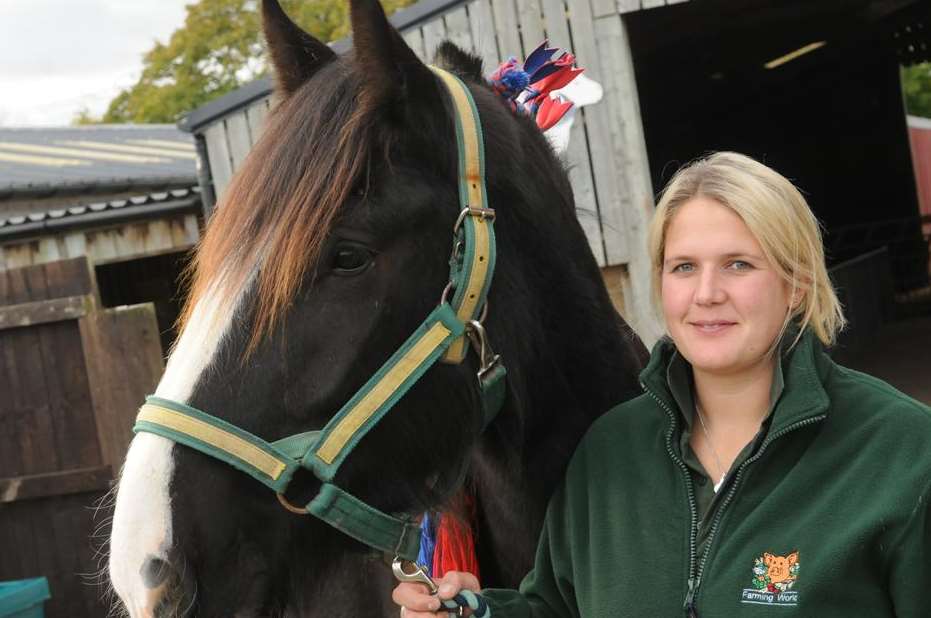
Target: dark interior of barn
(810,88)
(156,279)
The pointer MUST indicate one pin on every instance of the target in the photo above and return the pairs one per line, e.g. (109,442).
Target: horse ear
(392,70)
(296,55)
(452,58)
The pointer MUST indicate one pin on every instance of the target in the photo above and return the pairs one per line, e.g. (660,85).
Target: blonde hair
(780,219)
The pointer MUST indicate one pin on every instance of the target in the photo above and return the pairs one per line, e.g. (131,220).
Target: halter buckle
(482,213)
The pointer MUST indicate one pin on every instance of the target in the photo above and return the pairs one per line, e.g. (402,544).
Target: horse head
(329,248)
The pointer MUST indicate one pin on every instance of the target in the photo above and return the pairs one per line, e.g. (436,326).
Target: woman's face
(724,304)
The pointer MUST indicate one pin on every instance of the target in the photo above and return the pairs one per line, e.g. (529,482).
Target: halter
(442,336)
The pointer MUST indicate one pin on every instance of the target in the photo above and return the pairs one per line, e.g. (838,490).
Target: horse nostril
(171,593)
(155,572)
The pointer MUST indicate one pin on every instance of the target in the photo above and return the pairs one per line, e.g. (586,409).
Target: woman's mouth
(711,327)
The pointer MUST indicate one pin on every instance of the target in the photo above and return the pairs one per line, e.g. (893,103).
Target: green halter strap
(442,336)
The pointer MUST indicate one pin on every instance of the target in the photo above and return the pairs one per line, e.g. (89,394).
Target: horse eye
(351,259)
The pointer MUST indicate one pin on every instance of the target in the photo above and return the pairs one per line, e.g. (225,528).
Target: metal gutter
(105,186)
(110,216)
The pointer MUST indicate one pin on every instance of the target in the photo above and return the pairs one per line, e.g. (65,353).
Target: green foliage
(218,49)
(916,85)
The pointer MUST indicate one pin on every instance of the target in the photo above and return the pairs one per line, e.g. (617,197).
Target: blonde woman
(753,472)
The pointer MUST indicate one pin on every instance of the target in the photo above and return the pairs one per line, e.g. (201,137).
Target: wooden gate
(71,377)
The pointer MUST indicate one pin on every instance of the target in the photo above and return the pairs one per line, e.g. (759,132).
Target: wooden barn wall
(105,245)
(71,376)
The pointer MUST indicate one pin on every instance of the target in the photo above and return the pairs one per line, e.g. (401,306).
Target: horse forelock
(270,226)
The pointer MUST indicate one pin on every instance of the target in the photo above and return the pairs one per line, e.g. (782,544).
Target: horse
(327,250)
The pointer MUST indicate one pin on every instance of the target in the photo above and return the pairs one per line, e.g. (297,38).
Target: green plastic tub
(24,598)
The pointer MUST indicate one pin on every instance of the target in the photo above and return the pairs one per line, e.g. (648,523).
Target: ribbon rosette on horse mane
(530,89)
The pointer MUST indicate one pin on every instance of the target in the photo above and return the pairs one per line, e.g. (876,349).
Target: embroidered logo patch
(773,579)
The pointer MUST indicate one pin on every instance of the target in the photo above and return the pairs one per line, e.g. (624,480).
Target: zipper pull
(689,605)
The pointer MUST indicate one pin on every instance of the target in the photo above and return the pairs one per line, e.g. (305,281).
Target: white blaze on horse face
(142,518)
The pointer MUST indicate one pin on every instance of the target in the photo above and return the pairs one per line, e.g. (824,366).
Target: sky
(60,56)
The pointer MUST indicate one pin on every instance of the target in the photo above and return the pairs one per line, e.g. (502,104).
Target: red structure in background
(919,134)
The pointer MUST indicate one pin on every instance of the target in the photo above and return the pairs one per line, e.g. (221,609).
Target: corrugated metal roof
(59,157)
(111,212)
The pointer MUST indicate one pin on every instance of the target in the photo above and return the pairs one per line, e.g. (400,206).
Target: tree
(916,85)
(218,49)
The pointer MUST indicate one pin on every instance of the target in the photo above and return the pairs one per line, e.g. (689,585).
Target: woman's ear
(797,294)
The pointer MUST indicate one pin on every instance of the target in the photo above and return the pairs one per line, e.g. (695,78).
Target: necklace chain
(714,451)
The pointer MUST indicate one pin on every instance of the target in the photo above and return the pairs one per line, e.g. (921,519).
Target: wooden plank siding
(609,191)
(105,245)
(580,165)
(631,168)
(506,30)
(484,41)
(123,356)
(414,39)
(434,32)
(218,154)
(458,28)
(71,380)
(239,136)
(257,115)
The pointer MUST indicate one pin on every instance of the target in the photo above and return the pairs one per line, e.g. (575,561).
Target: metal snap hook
(487,357)
(418,576)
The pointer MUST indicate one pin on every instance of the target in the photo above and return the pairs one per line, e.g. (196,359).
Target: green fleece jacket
(828,516)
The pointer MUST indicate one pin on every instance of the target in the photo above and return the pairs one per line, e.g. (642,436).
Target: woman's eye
(351,260)
(740,265)
(683,268)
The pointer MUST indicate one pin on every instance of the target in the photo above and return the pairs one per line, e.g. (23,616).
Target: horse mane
(283,201)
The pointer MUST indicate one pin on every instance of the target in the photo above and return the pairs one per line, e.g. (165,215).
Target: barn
(94,224)
(124,196)
(811,88)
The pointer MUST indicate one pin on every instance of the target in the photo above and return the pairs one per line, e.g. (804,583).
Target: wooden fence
(71,378)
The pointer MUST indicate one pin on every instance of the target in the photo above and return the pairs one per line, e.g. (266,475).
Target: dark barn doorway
(154,279)
(810,88)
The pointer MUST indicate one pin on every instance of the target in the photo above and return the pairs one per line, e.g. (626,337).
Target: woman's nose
(709,290)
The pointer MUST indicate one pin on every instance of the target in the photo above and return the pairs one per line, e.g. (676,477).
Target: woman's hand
(417,602)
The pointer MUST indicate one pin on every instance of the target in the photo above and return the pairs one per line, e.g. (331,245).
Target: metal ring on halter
(446,291)
(457,250)
(290,507)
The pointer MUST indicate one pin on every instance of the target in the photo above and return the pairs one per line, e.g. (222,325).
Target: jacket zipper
(695,576)
(693,510)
